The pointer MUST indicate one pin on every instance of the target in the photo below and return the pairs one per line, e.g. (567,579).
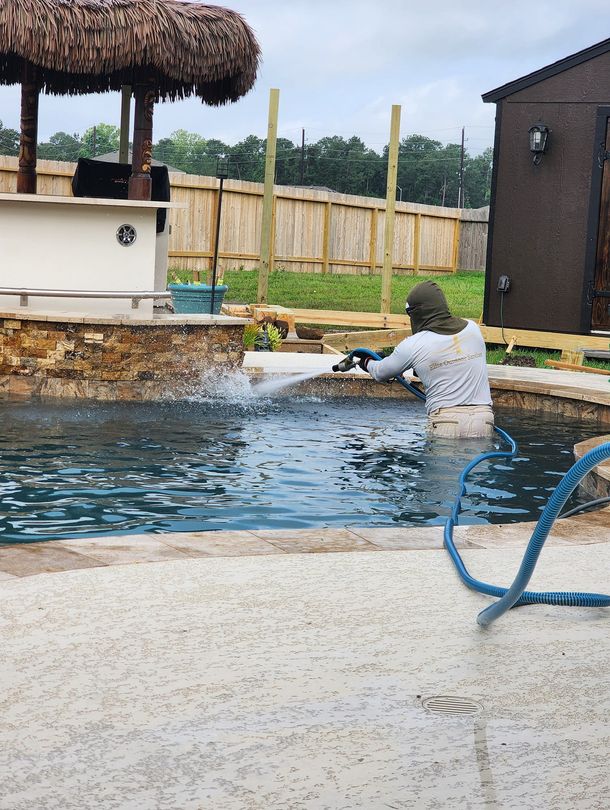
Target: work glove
(362,359)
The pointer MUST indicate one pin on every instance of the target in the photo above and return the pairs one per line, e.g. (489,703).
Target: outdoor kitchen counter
(137,319)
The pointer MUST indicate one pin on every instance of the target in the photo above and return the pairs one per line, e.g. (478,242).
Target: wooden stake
(267,218)
(574,357)
(511,345)
(390,206)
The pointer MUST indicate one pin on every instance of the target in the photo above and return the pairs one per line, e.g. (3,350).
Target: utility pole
(302,155)
(444,190)
(460,203)
(94,141)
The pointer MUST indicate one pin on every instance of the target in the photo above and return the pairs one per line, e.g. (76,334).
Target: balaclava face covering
(431,312)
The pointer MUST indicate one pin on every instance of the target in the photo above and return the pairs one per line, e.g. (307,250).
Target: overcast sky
(341,64)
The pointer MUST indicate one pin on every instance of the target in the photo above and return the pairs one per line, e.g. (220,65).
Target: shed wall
(541,212)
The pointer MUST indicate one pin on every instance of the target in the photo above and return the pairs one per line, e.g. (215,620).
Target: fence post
(326,237)
(456,245)
(390,205)
(267,219)
(373,242)
(416,244)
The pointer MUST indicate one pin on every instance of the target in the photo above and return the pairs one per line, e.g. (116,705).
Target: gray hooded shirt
(448,354)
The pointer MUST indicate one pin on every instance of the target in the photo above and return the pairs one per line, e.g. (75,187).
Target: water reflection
(74,469)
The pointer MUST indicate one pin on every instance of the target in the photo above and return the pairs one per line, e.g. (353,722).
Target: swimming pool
(83,469)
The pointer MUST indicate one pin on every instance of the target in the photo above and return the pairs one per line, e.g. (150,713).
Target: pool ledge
(597,483)
(555,392)
(54,556)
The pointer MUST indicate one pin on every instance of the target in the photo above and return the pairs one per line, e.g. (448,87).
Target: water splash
(232,387)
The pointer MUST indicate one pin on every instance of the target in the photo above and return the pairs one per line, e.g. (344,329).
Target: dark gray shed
(549,226)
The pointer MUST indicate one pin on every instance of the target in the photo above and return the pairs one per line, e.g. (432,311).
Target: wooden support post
(390,206)
(26,175)
(417,243)
(326,237)
(267,218)
(456,245)
(272,237)
(125,117)
(373,242)
(140,182)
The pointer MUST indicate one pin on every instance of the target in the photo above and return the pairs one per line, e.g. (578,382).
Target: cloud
(341,64)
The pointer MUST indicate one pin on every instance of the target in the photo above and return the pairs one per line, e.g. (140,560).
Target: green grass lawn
(495,354)
(464,292)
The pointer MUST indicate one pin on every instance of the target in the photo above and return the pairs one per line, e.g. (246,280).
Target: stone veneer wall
(595,484)
(112,361)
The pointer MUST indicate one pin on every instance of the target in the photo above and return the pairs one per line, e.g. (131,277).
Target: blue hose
(517,595)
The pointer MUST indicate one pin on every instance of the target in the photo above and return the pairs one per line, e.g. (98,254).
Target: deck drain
(446,704)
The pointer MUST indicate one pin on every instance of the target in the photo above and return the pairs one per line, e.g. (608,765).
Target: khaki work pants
(463,422)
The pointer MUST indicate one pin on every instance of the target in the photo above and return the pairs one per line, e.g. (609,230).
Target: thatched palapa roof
(92,46)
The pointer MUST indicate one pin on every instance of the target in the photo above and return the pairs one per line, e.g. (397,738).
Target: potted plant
(195,296)
(262,338)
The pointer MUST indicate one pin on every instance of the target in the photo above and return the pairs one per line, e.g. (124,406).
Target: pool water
(71,469)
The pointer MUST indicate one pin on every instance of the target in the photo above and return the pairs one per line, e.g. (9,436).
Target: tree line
(428,171)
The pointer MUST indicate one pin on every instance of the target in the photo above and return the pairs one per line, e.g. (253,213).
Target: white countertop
(137,319)
(104,201)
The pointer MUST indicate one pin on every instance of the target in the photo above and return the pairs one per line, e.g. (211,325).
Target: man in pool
(448,355)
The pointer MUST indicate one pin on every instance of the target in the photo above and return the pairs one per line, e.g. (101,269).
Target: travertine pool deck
(300,681)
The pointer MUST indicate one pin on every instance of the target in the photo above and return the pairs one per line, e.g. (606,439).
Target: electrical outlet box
(503,284)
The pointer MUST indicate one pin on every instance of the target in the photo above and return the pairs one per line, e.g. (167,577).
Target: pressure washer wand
(347,364)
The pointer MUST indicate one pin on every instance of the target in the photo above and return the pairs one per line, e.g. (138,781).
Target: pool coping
(23,560)
(581,388)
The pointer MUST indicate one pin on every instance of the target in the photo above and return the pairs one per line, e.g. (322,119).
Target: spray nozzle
(346,364)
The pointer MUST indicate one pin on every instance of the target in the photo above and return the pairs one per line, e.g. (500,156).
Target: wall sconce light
(539,136)
(222,168)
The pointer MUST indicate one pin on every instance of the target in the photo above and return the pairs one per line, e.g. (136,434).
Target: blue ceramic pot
(196,298)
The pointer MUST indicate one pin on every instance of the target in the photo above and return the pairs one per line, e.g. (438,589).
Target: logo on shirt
(462,359)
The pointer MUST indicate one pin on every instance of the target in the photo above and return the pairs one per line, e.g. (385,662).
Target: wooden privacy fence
(314,230)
